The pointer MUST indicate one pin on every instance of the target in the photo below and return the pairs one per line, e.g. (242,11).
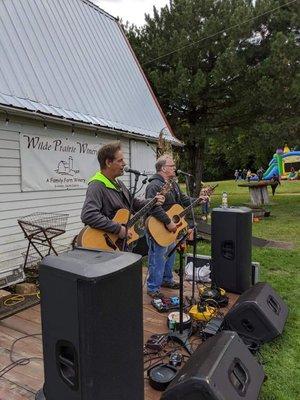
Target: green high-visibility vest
(103,179)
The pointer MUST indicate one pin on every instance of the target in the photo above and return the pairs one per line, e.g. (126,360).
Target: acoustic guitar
(99,239)
(176,213)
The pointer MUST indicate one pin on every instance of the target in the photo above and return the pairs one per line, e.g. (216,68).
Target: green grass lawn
(280,268)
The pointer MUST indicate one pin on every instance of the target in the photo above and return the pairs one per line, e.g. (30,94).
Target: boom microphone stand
(194,238)
(182,335)
(136,178)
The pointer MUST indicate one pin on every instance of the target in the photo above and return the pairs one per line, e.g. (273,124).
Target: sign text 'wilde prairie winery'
(56,163)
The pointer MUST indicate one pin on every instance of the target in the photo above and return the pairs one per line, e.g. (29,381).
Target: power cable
(21,361)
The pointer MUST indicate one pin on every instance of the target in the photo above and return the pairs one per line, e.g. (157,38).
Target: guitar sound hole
(176,219)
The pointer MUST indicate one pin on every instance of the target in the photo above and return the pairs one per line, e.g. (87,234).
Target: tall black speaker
(92,326)
(231,235)
(222,368)
(259,314)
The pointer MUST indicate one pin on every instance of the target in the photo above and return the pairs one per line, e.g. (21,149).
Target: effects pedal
(157,342)
(212,327)
(166,304)
(176,359)
(202,312)
(214,295)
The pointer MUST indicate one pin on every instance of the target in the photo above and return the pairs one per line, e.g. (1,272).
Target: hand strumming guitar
(122,233)
(171,227)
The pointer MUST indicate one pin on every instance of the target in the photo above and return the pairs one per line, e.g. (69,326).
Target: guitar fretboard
(195,203)
(141,212)
(188,208)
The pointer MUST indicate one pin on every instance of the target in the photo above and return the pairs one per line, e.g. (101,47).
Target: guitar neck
(141,212)
(188,208)
(195,203)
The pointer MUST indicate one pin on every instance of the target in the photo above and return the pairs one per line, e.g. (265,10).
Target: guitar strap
(123,195)
(177,193)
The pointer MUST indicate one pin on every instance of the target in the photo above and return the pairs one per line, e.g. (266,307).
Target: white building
(69,82)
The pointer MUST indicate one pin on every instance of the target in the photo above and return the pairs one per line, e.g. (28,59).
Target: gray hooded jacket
(174,196)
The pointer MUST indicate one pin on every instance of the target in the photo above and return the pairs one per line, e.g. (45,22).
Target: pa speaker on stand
(231,243)
(92,328)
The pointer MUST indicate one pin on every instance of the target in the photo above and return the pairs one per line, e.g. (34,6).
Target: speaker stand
(182,339)
(40,395)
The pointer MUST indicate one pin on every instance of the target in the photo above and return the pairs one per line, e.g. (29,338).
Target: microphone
(178,171)
(134,171)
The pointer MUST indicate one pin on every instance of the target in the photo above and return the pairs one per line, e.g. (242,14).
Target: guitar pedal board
(157,342)
(166,304)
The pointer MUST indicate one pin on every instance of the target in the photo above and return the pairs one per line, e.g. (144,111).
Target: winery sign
(57,163)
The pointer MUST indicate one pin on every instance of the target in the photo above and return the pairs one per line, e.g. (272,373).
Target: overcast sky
(130,10)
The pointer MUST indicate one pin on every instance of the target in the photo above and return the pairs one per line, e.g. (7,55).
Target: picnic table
(258,191)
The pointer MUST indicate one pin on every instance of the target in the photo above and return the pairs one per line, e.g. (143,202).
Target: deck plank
(12,391)
(22,382)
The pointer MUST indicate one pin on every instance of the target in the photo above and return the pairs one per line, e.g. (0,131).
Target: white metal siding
(143,158)
(15,204)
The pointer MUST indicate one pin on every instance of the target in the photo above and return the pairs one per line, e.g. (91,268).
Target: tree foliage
(226,73)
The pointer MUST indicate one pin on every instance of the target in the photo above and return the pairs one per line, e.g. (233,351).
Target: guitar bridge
(109,242)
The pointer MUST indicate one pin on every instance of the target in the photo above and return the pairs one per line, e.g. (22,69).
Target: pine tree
(225,73)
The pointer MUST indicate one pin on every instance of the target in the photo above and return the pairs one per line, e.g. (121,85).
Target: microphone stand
(136,178)
(194,239)
(180,336)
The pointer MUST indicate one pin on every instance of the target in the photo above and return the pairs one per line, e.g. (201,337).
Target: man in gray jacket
(106,195)
(160,270)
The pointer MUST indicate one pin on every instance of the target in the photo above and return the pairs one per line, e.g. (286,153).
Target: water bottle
(224,200)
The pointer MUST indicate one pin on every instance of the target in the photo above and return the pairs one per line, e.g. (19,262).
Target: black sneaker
(171,285)
(155,295)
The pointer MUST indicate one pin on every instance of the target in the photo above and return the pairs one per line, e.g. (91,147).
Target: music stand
(182,335)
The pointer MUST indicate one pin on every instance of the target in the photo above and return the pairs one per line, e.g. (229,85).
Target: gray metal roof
(70,59)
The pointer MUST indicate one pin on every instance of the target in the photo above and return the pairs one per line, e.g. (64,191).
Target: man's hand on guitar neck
(205,193)
(122,233)
(160,199)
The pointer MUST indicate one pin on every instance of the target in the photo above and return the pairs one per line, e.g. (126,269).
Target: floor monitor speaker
(92,325)
(231,235)
(259,314)
(222,368)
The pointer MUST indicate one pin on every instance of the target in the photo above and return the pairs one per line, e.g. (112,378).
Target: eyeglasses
(171,165)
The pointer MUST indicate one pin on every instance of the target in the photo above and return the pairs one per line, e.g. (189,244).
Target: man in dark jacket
(106,195)
(160,270)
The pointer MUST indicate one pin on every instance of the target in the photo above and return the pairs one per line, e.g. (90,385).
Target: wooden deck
(23,381)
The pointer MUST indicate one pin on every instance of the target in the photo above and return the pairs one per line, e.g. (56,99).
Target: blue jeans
(160,269)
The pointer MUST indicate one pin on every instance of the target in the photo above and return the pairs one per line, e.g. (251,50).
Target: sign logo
(66,167)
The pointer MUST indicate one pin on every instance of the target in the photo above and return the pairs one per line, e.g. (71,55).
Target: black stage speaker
(259,314)
(231,235)
(222,368)
(92,326)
